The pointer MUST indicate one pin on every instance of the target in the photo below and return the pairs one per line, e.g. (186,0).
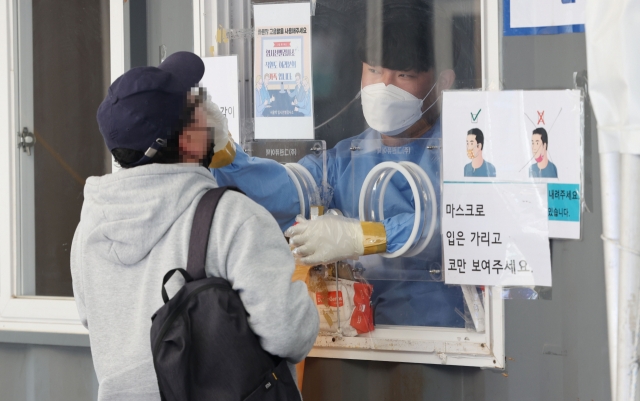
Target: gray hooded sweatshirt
(134,227)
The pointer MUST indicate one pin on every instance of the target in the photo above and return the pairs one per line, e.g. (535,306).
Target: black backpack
(202,345)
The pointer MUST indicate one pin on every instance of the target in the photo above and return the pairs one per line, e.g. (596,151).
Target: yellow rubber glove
(374,237)
(224,150)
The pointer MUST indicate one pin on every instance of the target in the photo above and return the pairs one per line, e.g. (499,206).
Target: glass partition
(420,48)
(155,29)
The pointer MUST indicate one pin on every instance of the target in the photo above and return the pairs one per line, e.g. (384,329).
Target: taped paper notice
(221,81)
(540,13)
(496,234)
(283,87)
(543,17)
(530,137)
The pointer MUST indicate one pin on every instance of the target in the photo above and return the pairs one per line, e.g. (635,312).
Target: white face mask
(391,110)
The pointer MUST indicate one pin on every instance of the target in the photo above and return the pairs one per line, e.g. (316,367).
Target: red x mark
(540,117)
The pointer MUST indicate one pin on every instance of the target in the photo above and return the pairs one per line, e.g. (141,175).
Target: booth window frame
(52,320)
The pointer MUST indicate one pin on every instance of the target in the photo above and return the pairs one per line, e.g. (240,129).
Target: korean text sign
(283,87)
(496,234)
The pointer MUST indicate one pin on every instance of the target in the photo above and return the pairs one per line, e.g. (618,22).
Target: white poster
(221,82)
(283,92)
(544,13)
(518,137)
(496,234)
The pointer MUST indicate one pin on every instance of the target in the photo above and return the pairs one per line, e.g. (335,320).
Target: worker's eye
(373,70)
(405,75)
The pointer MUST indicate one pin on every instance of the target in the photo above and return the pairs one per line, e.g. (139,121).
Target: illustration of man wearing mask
(542,168)
(478,166)
(400,92)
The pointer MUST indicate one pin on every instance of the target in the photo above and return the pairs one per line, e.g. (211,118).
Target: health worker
(400,93)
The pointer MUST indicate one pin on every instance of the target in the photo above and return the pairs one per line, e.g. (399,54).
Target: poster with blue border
(543,17)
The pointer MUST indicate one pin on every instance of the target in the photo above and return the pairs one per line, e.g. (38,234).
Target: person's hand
(223,148)
(218,122)
(326,239)
(266,102)
(295,109)
(273,98)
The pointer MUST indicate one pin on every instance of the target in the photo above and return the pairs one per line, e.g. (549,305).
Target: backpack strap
(200,230)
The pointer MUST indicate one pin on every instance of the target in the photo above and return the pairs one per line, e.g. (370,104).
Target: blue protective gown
(400,295)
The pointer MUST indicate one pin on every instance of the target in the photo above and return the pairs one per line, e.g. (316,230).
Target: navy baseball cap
(144,105)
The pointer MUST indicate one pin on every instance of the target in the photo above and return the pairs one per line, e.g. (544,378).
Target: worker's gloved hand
(224,150)
(326,239)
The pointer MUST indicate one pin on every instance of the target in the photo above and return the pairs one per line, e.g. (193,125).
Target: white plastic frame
(374,175)
(300,177)
(405,168)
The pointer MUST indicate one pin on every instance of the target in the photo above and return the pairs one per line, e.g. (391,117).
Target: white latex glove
(218,121)
(326,239)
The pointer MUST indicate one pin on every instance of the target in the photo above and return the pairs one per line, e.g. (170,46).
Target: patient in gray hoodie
(135,226)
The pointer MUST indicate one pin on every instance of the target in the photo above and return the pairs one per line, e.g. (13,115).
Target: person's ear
(445,80)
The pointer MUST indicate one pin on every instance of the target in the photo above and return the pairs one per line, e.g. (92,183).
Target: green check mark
(475,118)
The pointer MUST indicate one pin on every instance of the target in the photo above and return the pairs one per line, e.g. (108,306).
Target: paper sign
(543,17)
(518,137)
(496,234)
(221,81)
(283,87)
